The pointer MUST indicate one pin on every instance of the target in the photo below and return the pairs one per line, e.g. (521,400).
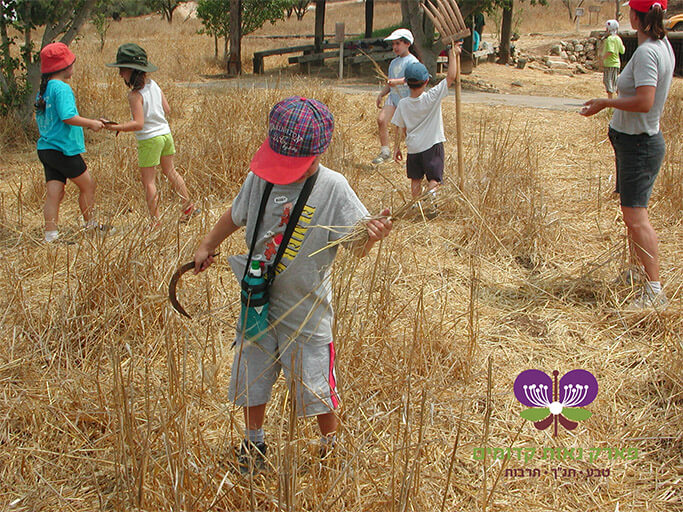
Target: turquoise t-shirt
(613,47)
(60,104)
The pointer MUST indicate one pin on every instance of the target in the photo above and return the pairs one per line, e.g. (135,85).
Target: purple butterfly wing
(578,388)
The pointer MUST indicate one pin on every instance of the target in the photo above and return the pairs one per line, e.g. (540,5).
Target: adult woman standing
(636,138)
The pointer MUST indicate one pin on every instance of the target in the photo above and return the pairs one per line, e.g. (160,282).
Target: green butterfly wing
(576,413)
(535,413)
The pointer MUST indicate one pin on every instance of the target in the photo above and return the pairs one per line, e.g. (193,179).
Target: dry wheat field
(109,400)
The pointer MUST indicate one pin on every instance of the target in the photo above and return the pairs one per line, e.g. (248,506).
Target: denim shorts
(638,159)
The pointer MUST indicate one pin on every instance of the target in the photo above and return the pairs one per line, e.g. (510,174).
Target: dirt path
(487,98)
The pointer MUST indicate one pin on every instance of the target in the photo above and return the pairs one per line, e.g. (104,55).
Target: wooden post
(458,126)
(339,38)
(235,58)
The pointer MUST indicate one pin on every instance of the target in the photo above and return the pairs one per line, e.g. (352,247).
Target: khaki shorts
(151,150)
(308,366)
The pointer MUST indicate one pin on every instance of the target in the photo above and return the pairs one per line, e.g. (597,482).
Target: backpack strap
(291,224)
(259,218)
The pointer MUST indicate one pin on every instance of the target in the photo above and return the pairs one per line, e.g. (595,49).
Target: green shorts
(151,150)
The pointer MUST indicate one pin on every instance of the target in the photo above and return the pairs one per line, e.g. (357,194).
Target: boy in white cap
(401,44)
(299,341)
(612,48)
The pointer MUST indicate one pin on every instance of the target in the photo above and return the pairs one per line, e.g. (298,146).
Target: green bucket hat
(132,56)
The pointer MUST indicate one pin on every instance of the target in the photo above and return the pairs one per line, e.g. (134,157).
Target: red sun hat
(299,129)
(55,57)
(646,5)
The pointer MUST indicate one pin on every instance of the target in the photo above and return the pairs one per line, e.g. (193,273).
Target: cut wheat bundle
(358,234)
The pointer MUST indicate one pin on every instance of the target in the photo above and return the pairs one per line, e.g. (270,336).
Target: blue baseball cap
(416,72)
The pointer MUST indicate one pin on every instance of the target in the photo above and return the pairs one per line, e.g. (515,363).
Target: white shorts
(309,366)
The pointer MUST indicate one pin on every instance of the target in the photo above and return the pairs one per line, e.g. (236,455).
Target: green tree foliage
(298,7)
(164,7)
(20,74)
(215,16)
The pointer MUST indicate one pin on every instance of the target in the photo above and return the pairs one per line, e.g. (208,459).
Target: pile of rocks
(566,58)
(583,51)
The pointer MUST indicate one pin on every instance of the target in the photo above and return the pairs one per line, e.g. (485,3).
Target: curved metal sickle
(173,284)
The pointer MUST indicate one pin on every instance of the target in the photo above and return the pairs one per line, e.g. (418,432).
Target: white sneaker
(51,236)
(384,156)
(646,300)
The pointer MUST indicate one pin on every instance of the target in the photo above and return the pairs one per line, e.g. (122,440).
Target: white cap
(401,33)
(612,26)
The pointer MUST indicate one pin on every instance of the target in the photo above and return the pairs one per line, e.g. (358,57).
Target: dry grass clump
(110,401)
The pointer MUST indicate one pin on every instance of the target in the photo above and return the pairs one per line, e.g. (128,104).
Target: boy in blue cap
(419,116)
(299,340)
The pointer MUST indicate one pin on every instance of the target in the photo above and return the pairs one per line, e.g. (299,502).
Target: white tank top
(153,110)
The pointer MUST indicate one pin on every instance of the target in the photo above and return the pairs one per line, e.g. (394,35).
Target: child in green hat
(148,107)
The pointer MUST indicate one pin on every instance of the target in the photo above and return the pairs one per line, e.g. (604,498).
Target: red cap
(646,5)
(55,57)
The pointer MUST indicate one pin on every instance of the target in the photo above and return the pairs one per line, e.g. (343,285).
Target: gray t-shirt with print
(651,64)
(302,283)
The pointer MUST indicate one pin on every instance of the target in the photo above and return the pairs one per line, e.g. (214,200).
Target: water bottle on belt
(254,298)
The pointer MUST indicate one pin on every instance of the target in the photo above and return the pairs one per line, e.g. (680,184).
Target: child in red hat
(299,338)
(61,140)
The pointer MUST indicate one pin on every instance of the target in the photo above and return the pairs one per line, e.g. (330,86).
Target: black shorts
(427,164)
(638,159)
(59,166)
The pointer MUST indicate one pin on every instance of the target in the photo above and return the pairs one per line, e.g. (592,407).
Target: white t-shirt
(301,294)
(153,110)
(421,117)
(651,64)
(397,69)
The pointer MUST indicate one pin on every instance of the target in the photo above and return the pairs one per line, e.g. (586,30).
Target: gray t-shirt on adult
(302,283)
(651,64)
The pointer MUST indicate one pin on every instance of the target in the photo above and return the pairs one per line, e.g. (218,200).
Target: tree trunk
(369,13)
(319,24)
(505,34)
(423,31)
(235,58)
(69,27)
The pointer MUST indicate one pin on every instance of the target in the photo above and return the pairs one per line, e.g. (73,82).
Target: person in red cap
(643,87)
(61,140)
(284,202)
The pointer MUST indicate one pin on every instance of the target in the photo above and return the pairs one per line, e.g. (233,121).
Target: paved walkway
(487,98)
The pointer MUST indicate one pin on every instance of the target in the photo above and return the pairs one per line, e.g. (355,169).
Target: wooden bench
(355,53)
(258,56)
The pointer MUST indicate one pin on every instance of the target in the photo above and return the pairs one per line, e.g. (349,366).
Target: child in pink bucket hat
(288,185)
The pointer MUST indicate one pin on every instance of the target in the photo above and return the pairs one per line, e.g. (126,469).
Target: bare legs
(416,187)
(255,416)
(148,175)
(55,194)
(643,240)
(383,120)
